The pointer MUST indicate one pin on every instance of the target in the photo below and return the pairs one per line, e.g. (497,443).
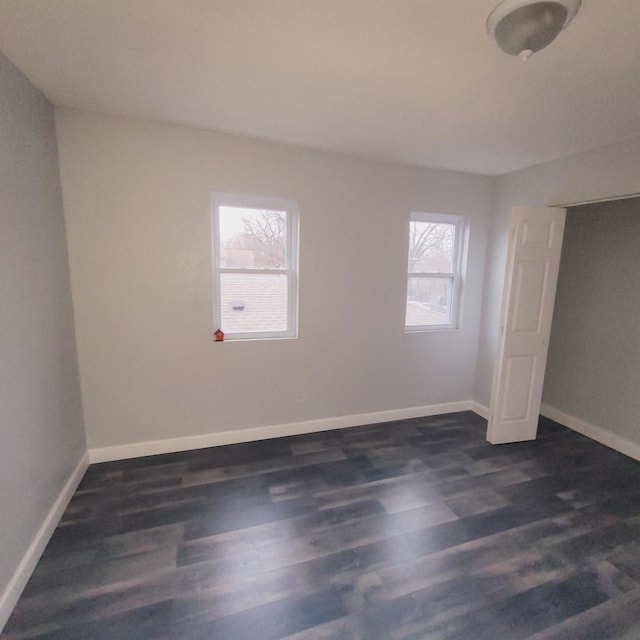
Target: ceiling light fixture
(523,27)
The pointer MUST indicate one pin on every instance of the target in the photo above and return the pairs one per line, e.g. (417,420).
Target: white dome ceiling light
(522,27)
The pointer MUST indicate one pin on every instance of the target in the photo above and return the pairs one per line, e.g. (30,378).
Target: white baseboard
(28,563)
(480,409)
(171,445)
(599,434)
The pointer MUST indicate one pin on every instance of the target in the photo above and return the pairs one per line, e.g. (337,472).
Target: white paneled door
(533,261)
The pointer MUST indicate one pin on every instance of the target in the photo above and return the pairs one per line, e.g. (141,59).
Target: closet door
(533,261)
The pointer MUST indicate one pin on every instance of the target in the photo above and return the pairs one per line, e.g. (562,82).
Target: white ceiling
(415,81)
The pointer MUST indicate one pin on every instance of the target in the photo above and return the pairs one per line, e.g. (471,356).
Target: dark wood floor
(412,529)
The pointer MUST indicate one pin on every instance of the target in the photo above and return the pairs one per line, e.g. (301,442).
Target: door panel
(531,281)
(518,379)
(533,262)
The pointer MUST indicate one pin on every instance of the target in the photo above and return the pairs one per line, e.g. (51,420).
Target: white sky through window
(231,220)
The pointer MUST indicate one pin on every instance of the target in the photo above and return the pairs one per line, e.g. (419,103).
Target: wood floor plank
(412,529)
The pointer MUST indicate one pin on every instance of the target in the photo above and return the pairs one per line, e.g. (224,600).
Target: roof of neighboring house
(264,300)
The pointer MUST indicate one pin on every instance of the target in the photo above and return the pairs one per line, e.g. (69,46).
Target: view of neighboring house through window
(255,261)
(434,279)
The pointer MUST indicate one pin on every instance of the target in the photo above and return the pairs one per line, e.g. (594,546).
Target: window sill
(257,339)
(430,329)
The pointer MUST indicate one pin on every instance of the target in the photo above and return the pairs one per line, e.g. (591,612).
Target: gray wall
(597,174)
(137,206)
(41,430)
(593,370)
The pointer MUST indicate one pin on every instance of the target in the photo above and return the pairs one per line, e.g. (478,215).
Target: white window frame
(290,270)
(456,276)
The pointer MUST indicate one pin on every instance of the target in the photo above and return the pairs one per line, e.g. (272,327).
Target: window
(434,279)
(255,263)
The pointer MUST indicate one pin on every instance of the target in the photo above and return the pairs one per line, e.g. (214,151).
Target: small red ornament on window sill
(219,335)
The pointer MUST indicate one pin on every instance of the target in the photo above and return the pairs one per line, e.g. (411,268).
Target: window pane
(252,238)
(428,301)
(253,302)
(431,247)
